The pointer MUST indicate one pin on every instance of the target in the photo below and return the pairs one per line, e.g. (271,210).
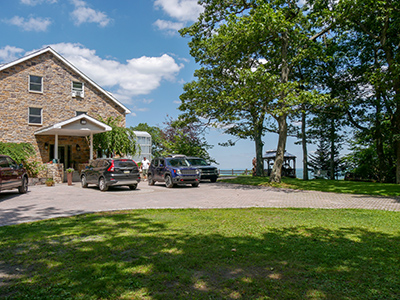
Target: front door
(64,155)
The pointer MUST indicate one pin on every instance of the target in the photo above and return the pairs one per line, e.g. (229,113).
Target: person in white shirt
(145,167)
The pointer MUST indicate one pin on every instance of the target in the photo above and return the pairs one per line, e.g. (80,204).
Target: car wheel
(168,182)
(195,184)
(214,179)
(150,180)
(102,184)
(24,187)
(84,182)
(133,186)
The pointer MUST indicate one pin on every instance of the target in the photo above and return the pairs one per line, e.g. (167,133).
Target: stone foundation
(55,171)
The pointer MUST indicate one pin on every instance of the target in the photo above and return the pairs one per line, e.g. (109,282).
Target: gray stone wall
(56,101)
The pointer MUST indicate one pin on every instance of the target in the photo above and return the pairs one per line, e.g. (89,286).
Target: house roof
(52,51)
(272,154)
(82,125)
(142,133)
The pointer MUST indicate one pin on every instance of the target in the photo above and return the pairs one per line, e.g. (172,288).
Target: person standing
(145,167)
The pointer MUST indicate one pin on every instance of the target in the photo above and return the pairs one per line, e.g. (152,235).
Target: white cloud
(138,76)
(147,101)
(84,14)
(10,53)
(171,27)
(182,10)
(31,24)
(35,2)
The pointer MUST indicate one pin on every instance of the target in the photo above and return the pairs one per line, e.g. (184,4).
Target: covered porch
(66,144)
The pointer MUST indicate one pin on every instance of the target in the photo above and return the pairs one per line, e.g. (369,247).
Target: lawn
(335,186)
(204,254)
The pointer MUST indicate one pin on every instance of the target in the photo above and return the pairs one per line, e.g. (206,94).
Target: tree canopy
(249,51)
(119,141)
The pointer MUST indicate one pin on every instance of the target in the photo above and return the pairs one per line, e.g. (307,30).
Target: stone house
(49,103)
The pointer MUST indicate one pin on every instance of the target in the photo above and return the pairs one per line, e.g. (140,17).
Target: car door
(14,173)
(99,168)
(153,168)
(4,173)
(90,177)
(160,170)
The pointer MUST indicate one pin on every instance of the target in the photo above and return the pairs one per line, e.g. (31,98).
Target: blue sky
(131,48)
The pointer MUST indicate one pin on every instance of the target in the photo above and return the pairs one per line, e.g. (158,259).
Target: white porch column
(91,145)
(56,146)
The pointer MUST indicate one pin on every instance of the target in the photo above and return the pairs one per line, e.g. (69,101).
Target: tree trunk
(332,158)
(396,121)
(259,150)
(276,173)
(304,145)
(396,87)
(397,149)
(378,136)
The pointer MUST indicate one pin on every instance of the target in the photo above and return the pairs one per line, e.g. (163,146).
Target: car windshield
(178,162)
(197,162)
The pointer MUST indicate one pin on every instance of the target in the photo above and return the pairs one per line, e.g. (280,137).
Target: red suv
(12,175)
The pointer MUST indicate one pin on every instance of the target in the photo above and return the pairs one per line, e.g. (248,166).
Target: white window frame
(41,116)
(74,90)
(41,84)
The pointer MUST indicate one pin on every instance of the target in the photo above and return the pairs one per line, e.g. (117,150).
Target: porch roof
(82,125)
(271,154)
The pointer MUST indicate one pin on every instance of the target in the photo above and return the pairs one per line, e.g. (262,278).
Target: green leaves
(119,141)
(18,152)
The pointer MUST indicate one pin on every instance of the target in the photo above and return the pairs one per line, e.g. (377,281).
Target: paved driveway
(42,202)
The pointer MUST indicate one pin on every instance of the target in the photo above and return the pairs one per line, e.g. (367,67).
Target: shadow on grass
(128,256)
(323,185)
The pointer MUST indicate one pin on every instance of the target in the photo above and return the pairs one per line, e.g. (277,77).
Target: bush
(18,152)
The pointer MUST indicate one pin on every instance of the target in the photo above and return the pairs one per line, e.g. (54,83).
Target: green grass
(323,185)
(204,254)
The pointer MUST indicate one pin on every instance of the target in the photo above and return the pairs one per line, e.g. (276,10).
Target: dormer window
(35,84)
(77,89)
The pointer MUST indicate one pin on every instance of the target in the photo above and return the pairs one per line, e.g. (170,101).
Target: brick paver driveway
(42,202)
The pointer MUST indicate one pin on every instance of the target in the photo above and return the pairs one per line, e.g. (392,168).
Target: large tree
(230,35)
(119,141)
(237,102)
(184,138)
(371,29)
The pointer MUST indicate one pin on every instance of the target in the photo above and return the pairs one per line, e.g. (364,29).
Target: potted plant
(49,181)
(69,175)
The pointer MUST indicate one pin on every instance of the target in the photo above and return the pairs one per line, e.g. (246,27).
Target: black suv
(207,171)
(12,175)
(173,170)
(106,172)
